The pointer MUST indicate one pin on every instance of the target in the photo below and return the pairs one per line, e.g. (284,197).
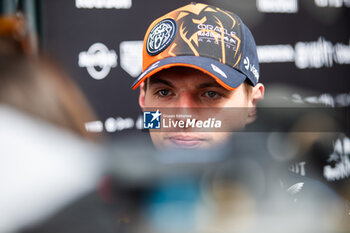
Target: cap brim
(226,76)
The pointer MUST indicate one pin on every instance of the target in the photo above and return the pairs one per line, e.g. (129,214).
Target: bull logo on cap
(212,26)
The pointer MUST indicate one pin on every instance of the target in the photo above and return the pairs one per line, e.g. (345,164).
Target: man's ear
(142,96)
(257,93)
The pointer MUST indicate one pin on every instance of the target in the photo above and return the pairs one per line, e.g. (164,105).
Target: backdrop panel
(301,44)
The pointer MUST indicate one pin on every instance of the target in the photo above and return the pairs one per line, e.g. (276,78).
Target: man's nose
(185,100)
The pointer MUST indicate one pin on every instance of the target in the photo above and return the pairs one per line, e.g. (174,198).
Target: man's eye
(211,94)
(163,92)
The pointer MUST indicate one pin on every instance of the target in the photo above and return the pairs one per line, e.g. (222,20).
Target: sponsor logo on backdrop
(275,53)
(277,6)
(340,100)
(332,3)
(114,124)
(94,126)
(103,4)
(118,124)
(98,60)
(161,36)
(131,57)
(314,54)
(340,168)
(320,53)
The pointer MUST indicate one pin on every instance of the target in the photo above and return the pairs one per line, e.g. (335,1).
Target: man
(199,56)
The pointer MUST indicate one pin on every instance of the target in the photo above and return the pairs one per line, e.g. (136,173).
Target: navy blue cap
(202,37)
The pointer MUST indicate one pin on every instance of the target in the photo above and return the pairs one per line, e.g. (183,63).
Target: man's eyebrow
(209,84)
(156,80)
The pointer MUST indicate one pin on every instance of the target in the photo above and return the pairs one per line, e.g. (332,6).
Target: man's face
(184,88)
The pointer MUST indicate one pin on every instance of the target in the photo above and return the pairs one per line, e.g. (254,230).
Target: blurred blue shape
(171,206)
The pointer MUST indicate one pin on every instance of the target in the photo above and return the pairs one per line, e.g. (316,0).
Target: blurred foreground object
(43,169)
(237,188)
(14,36)
(244,186)
(314,140)
(37,85)
(46,163)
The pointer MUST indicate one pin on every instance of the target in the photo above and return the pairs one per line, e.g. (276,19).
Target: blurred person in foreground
(199,56)
(35,85)
(46,161)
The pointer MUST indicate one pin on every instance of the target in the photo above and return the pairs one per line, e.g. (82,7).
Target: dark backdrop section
(303,45)
(99,43)
(319,37)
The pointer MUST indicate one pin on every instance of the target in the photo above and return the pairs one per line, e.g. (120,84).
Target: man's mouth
(186,141)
